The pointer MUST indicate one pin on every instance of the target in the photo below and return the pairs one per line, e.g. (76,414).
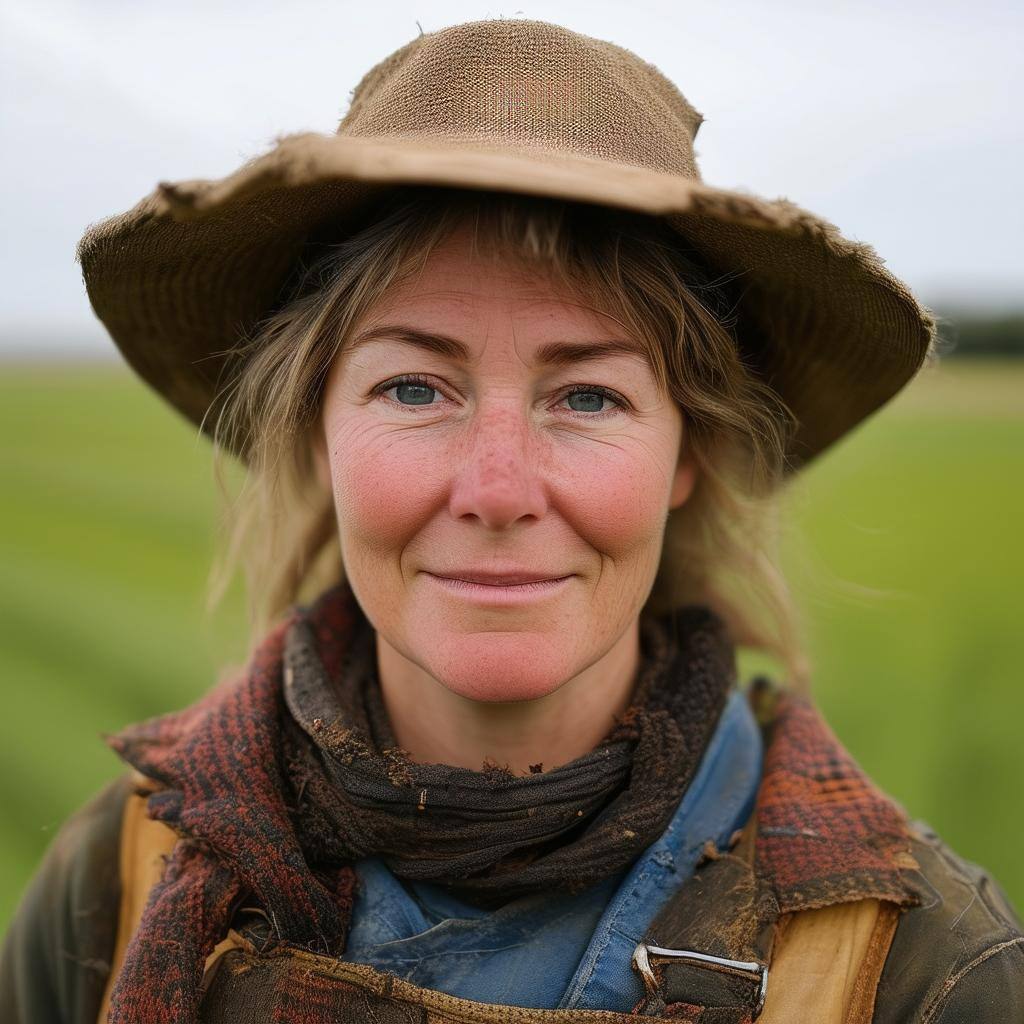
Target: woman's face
(486,465)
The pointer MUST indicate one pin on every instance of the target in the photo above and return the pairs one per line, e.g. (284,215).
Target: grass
(905,552)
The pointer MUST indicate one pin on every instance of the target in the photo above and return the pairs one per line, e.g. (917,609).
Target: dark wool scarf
(280,779)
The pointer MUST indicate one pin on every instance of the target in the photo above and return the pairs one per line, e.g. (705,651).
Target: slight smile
(497,592)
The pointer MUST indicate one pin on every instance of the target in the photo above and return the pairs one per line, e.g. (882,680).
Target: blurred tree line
(974,333)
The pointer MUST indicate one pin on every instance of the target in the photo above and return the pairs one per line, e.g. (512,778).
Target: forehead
(549,353)
(461,298)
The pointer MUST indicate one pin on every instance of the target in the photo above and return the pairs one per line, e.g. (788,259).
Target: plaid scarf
(278,780)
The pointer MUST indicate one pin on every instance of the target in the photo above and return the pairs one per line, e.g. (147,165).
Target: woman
(516,393)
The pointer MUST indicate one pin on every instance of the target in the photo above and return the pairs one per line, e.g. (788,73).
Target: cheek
(385,486)
(618,499)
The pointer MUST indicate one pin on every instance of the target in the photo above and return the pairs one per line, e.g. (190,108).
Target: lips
(509,578)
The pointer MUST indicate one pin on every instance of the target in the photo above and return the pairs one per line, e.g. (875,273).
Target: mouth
(511,579)
(502,589)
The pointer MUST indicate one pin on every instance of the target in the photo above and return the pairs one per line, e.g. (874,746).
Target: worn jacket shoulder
(958,957)
(57,951)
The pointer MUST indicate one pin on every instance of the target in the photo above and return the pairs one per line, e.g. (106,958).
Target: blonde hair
(720,546)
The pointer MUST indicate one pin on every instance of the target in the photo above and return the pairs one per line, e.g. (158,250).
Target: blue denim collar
(584,942)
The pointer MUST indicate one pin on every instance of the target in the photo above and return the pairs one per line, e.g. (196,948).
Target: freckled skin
(499,468)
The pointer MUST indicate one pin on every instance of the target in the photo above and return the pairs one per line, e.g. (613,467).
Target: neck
(436,726)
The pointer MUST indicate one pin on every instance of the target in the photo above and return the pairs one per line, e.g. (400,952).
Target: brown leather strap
(722,911)
(830,959)
(862,1002)
(145,844)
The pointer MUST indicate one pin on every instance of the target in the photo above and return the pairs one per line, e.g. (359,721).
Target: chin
(499,667)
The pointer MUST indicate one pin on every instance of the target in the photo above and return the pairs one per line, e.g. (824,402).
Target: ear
(683,481)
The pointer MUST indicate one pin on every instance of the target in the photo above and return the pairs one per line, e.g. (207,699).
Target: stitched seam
(947,988)
(861,1004)
(976,888)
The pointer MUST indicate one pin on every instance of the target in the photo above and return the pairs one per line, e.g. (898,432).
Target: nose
(498,478)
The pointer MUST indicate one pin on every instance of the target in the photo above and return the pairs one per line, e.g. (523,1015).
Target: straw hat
(517,106)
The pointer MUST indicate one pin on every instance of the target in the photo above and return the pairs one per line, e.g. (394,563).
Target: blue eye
(594,400)
(411,387)
(419,394)
(413,391)
(593,396)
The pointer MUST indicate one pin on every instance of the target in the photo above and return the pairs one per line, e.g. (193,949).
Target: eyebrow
(552,353)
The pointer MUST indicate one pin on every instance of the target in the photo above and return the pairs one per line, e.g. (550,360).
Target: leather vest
(725,949)
(830,958)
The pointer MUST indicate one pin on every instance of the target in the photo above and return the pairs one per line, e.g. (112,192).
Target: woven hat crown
(529,84)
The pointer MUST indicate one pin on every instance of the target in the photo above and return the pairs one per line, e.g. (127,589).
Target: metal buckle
(644,955)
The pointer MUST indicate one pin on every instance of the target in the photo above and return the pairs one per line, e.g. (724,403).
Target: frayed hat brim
(182,276)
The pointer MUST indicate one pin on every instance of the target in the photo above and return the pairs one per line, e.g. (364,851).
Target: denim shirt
(554,950)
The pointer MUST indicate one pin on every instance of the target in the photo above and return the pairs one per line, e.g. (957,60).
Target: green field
(905,549)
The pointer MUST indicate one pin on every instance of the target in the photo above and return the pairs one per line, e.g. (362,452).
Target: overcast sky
(900,122)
